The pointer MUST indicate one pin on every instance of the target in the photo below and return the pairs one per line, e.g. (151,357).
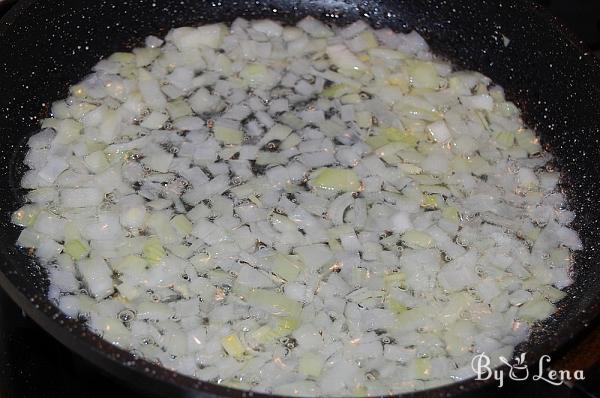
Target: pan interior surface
(47,47)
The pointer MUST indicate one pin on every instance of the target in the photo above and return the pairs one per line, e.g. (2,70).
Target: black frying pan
(47,45)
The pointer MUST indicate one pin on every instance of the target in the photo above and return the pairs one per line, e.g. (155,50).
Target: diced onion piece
(96,162)
(207,35)
(284,267)
(536,309)
(482,101)
(228,135)
(233,346)
(423,74)
(53,168)
(76,249)
(451,214)
(275,303)
(96,276)
(182,224)
(311,364)
(401,222)
(527,178)
(155,120)
(159,161)
(336,179)
(257,75)
(81,197)
(414,238)
(268,27)
(153,250)
(343,58)
(25,216)
(440,132)
(315,28)
(154,311)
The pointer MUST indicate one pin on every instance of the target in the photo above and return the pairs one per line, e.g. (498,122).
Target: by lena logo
(519,370)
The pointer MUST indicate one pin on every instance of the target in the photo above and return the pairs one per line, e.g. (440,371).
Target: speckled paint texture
(45,46)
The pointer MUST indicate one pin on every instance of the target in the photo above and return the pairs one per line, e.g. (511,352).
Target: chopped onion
(301,210)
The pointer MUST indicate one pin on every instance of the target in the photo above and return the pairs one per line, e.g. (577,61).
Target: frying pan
(45,46)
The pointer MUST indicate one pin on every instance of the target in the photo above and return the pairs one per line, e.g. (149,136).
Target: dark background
(581,16)
(34,365)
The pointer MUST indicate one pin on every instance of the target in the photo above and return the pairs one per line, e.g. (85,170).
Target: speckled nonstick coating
(45,46)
